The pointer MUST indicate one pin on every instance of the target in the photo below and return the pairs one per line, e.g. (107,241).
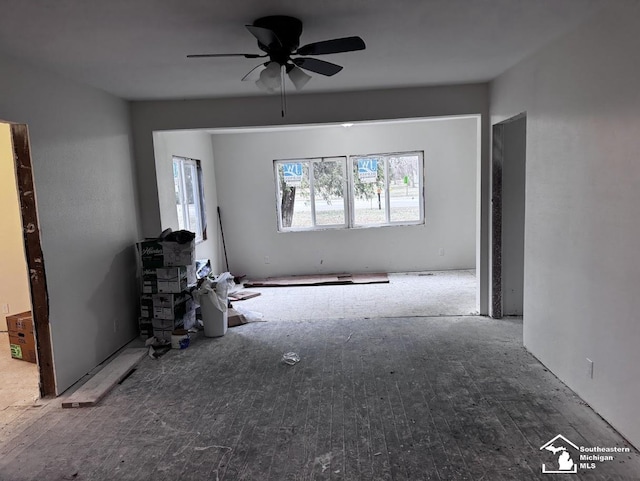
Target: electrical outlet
(5,308)
(589,368)
(441,252)
(266,260)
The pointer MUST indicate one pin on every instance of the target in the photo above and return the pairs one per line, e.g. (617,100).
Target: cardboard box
(22,322)
(154,253)
(179,254)
(163,334)
(167,280)
(149,280)
(187,319)
(23,346)
(162,328)
(234,318)
(164,324)
(171,306)
(146,306)
(145,327)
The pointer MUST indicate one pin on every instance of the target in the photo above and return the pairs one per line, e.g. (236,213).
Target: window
(387,189)
(311,193)
(187,179)
(378,190)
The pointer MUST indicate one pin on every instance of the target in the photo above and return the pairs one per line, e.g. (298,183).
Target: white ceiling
(136,49)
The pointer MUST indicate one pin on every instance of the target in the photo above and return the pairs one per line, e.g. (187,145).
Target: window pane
(368,191)
(328,185)
(191,195)
(294,194)
(187,180)
(177,182)
(404,189)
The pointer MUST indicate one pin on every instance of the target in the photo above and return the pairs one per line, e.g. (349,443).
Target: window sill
(355,227)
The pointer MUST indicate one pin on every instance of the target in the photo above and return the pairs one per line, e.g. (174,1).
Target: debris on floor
(319,280)
(242,295)
(157,347)
(234,318)
(249,316)
(290,358)
(158,351)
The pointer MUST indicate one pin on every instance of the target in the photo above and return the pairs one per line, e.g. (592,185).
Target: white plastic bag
(250,316)
(212,297)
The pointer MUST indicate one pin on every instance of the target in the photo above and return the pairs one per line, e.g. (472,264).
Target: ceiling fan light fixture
(298,77)
(270,77)
(278,37)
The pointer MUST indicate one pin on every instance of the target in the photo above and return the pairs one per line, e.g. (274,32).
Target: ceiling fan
(279,37)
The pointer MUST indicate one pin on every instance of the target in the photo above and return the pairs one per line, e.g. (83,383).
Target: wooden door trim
(34,257)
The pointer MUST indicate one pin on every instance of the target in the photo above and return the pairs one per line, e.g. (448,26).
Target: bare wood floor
(446,398)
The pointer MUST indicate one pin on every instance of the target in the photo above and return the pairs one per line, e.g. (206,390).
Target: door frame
(497,163)
(33,254)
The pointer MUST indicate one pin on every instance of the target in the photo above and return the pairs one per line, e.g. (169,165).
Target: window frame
(340,159)
(198,192)
(348,162)
(387,198)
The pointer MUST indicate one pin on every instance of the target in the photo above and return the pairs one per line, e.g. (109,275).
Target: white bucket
(213,319)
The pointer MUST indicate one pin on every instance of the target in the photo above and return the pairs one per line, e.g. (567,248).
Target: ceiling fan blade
(317,66)
(337,45)
(252,74)
(245,55)
(266,37)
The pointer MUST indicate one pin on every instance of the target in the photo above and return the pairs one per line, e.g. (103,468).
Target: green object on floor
(16,351)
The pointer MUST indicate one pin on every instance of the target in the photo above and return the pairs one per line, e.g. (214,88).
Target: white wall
(194,145)
(246,192)
(582,265)
(85,186)
(150,116)
(14,276)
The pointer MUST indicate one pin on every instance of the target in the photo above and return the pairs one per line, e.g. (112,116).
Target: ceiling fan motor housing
(288,31)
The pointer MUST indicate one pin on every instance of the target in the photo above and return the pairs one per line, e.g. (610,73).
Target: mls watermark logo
(562,449)
(569,457)
(368,170)
(292,174)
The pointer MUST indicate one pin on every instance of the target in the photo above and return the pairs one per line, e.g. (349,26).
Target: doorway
(508,217)
(447,240)
(31,293)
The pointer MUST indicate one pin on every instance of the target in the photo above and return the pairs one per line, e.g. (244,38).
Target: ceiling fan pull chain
(283,100)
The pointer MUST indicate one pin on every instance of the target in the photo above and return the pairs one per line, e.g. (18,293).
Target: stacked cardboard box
(21,338)
(168,269)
